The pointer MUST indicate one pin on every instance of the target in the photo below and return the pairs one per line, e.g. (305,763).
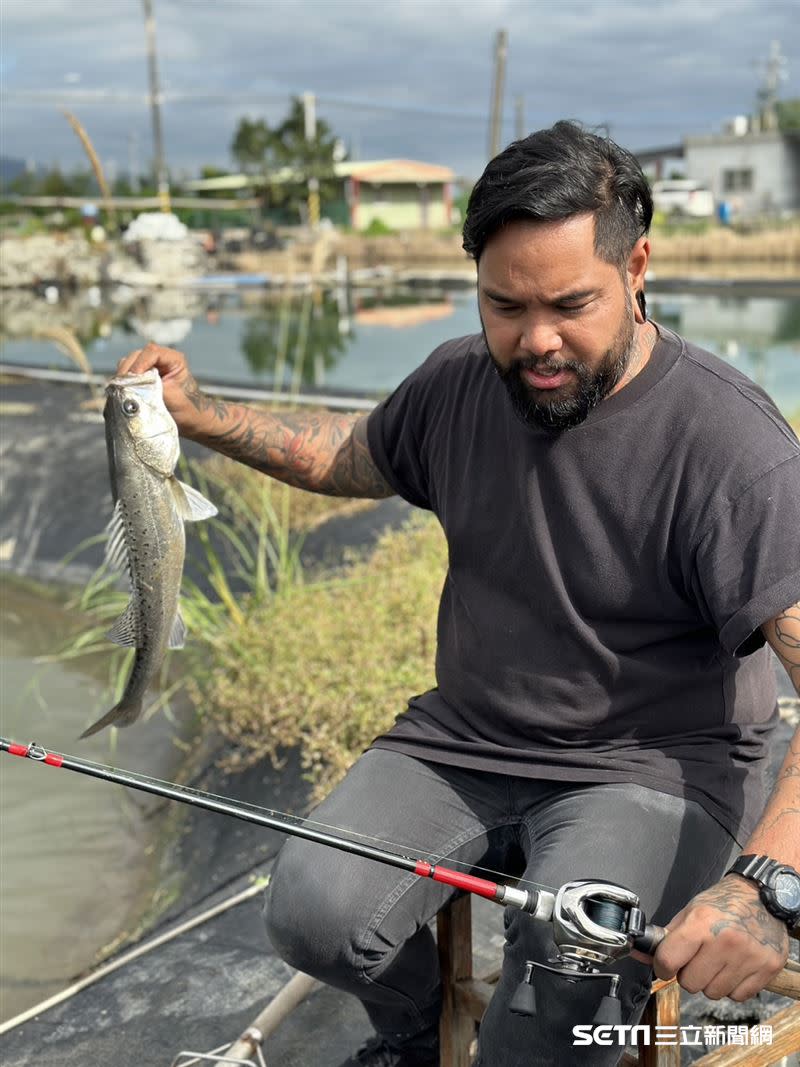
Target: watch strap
(758,869)
(753,867)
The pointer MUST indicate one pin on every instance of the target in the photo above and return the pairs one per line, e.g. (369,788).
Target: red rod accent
(469,882)
(18,750)
(54,759)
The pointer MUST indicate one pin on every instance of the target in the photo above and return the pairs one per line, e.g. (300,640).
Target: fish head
(137,419)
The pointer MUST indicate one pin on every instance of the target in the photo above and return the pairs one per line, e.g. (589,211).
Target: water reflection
(294,347)
(760,335)
(364,341)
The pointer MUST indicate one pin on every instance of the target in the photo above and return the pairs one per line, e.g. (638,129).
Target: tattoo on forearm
(322,452)
(783,634)
(767,827)
(202,401)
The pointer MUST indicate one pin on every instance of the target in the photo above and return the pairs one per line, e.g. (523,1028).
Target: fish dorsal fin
(116,554)
(123,632)
(177,637)
(192,506)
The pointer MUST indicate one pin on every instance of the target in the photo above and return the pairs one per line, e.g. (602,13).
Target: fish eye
(130,407)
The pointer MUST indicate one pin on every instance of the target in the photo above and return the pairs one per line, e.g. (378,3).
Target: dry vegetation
(674,247)
(718,245)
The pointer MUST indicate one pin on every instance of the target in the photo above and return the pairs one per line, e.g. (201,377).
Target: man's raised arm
(323,452)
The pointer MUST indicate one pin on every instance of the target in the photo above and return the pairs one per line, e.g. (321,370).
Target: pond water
(73,851)
(363,342)
(73,862)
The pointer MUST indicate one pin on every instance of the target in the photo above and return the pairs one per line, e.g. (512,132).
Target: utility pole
(519,117)
(162,178)
(774,73)
(500,53)
(310,124)
(133,161)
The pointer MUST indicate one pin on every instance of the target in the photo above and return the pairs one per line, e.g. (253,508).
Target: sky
(405,79)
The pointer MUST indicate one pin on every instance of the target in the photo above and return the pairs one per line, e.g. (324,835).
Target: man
(622,513)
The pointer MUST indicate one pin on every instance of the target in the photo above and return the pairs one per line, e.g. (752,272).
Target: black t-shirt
(599,619)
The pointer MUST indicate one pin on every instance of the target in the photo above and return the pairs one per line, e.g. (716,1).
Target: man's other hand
(724,943)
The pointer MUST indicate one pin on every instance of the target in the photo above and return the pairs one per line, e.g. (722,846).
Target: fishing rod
(594,922)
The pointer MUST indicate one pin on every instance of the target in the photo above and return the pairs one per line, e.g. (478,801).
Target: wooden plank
(785,1040)
(662,1009)
(786,984)
(454,936)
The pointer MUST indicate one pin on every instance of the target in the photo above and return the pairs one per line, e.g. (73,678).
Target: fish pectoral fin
(192,505)
(177,637)
(123,632)
(116,553)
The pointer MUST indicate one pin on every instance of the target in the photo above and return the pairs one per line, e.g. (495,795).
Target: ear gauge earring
(641,307)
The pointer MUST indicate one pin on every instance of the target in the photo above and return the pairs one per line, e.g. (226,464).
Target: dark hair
(554,174)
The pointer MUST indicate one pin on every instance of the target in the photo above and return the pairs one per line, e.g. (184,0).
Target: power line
(100,95)
(49,96)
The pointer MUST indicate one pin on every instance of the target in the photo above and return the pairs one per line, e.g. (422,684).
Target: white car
(683,196)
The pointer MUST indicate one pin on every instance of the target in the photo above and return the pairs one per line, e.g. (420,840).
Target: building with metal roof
(401,194)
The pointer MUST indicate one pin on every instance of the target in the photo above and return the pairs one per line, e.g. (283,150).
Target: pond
(363,342)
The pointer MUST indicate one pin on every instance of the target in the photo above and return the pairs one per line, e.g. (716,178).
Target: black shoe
(376,1053)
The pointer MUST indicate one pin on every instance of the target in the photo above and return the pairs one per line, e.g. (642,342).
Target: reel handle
(649,940)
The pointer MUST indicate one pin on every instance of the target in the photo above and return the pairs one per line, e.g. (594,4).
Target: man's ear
(636,270)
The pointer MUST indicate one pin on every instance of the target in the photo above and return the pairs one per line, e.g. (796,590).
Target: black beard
(562,413)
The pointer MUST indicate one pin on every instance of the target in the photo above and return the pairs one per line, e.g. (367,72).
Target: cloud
(652,71)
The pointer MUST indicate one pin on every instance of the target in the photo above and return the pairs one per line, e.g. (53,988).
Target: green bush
(378,228)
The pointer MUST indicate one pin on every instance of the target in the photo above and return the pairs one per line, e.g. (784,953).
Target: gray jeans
(364,927)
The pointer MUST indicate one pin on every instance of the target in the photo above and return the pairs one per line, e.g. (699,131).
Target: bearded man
(622,513)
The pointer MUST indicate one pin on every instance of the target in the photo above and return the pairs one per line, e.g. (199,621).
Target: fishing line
(435,857)
(402,849)
(298,820)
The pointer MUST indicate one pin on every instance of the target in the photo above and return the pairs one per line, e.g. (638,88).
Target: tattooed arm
(323,452)
(778,833)
(725,942)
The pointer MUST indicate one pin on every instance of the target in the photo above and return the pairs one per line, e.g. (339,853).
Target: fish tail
(122,714)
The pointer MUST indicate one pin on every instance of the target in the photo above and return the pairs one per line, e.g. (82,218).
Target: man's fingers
(169,361)
(707,975)
(751,985)
(126,364)
(675,951)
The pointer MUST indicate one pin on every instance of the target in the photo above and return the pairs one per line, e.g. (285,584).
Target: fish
(146,535)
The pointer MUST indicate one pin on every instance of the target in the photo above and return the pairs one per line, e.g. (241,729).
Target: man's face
(558,320)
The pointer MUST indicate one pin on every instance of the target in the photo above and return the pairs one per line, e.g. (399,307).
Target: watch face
(787,892)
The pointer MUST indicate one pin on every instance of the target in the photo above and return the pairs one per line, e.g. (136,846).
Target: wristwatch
(778,884)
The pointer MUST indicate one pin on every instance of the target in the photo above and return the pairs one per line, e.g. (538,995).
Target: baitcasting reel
(594,923)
